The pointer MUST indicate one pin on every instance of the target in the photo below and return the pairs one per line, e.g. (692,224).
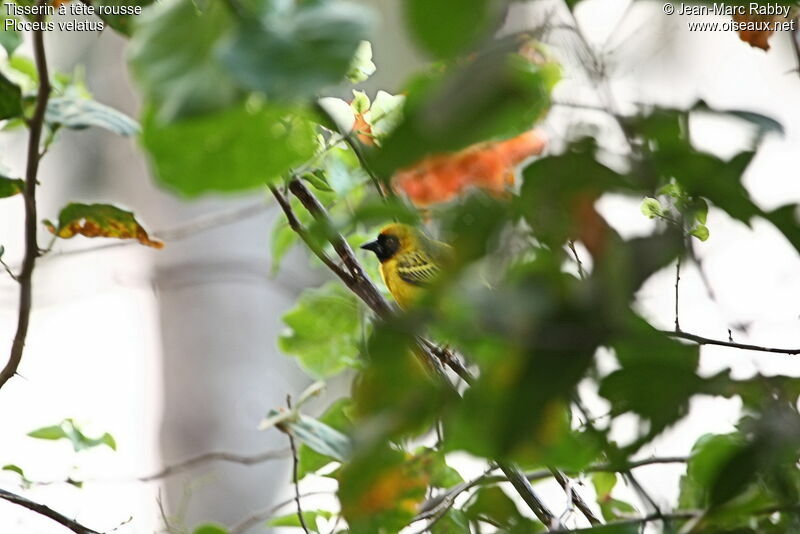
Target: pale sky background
(97,341)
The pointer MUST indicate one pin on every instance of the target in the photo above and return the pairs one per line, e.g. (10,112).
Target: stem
(700,340)
(294,473)
(358,282)
(221,456)
(579,503)
(25,277)
(41,509)
(677,293)
(524,488)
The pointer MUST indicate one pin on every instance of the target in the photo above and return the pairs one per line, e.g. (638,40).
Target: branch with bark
(46,511)
(356,279)
(25,276)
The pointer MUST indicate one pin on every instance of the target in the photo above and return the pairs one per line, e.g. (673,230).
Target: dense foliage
(237,96)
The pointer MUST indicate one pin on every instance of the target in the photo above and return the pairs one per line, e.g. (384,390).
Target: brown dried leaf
(100,220)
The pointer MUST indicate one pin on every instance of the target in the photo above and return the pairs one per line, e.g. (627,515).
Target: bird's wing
(417,267)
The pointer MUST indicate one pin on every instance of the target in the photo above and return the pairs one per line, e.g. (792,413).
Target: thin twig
(365,289)
(215,456)
(295,480)
(41,509)
(525,490)
(25,277)
(581,272)
(576,499)
(700,340)
(677,293)
(262,515)
(8,270)
(361,284)
(298,228)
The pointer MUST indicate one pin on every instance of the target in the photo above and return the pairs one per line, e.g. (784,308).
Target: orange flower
(489,166)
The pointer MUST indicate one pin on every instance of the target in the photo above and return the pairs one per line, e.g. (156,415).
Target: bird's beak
(374,246)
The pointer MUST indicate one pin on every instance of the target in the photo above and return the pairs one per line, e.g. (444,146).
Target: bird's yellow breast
(404,293)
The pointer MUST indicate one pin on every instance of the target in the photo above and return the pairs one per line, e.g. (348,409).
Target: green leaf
(507,95)
(123,22)
(603,484)
(442,475)
(381,490)
(234,150)
(48,432)
(700,232)
(453,522)
(292,520)
(362,67)
(324,330)
(172,55)
(709,453)
(10,39)
(317,180)
(10,99)
(647,357)
(445,28)
(283,238)
(614,509)
(309,460)
(651,208)
(78,113)
(210,528)
(492,503)
(100,220)
(296,50)
(14,468)
(10,186)
(68,430)
(320,437)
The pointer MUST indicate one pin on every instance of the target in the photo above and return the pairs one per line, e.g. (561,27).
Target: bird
(410,261)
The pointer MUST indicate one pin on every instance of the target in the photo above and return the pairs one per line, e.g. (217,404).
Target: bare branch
(576,499)
(295,479)
(362,286)
(25,277)
(525,490)
(215,456)
(677,293)
(260,516)
(41,509)
(298,228)
(700,340)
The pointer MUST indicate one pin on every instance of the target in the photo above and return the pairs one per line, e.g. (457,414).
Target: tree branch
(362,286)
(295,479)
(677,294)
(260,516)
(25,277)
(221,456)
(576,499)
(700,340)
(525,490)
(298,228)
(41,509)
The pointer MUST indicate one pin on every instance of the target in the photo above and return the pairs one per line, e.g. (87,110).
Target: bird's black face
(384,247)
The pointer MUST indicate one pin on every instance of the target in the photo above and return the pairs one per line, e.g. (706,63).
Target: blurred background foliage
(242,94)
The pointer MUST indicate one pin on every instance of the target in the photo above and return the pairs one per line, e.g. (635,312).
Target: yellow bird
(410,261)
